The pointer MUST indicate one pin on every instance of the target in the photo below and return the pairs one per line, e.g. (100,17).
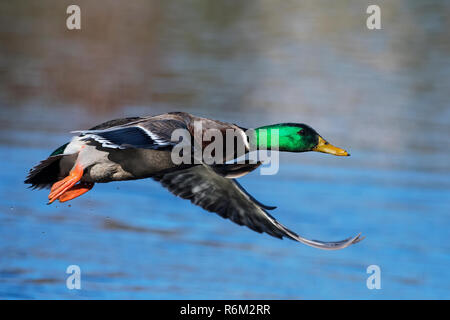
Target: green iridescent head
(294,137)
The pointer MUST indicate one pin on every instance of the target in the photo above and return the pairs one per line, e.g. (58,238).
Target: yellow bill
(325,147)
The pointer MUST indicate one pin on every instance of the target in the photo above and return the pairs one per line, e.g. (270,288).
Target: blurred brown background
(214,54)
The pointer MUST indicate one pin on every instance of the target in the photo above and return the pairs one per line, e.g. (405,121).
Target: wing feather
(214,193)
(146,133)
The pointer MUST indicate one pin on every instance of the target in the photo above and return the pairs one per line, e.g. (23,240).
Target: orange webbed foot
(76,191)
(65,184)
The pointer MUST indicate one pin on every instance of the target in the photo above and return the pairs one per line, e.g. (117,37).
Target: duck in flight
(141,147)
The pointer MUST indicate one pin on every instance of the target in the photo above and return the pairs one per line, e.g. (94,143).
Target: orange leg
(76,191)
(65,184)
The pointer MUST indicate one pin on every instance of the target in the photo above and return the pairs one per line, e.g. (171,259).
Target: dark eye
(302,132)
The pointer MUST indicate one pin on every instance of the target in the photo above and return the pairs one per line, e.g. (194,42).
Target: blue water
(135,240)
(381,95)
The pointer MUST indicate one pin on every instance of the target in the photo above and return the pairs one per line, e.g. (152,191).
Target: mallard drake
(141,147)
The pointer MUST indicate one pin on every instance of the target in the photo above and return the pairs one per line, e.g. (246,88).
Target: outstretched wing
(148,134)
(203,187)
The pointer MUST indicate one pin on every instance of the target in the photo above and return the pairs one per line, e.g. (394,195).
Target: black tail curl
(45,174)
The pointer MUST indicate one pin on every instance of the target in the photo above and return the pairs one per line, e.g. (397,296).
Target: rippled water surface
(383,95)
